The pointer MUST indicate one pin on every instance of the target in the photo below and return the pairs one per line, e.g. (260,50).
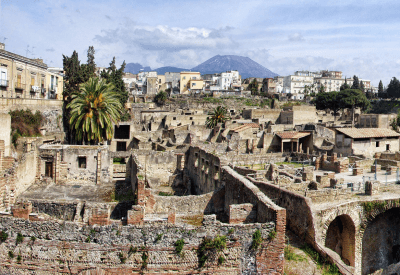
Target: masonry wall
(65,247)
(25,172)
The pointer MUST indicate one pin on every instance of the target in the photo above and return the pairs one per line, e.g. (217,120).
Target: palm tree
(218,115)
(161,97)
(94,110)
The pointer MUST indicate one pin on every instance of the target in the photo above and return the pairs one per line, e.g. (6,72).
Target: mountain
(163,70)
(245,66)
(134,68)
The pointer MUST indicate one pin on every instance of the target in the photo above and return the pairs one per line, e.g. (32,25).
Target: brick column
(22,210)
(136,215)
(270,258)
(171,216)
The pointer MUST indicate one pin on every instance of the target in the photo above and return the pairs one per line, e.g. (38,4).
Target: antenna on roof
(4,39)
(27,50)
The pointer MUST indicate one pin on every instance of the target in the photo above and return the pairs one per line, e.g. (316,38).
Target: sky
(356,37)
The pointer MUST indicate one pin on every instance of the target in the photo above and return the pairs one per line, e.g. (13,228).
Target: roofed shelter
(293,141)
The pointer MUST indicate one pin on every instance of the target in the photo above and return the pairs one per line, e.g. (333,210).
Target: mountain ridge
(216,64)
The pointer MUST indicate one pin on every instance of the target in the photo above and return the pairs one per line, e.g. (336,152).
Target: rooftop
(292,134)
(368,132)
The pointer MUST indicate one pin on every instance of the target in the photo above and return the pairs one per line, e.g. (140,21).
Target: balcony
(53,89)
(19,86)
(3,83)
(34,89)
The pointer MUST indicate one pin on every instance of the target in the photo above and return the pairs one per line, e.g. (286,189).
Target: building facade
(22,77)
(190,82)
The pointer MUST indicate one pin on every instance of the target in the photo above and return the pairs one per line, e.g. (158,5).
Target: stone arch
(381,237)
(340,237)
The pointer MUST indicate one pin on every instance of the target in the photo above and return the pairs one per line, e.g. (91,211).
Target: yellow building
(22,77)
(190,82)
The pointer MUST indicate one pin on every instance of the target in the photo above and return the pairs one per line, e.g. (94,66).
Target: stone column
(56,170)
(98,170)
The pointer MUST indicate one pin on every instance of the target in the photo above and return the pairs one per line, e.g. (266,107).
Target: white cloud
(296,37)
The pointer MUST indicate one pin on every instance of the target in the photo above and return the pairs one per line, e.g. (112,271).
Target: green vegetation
(221,260)
(161,193)
(257,239)
(195,220)
(291,256)
(119,161)
(3,236)
(212,100)
(19,239)
(322,263)
(369,206)
(179,246)
(94,111)
(161,97)
(218,115)
(159,237)
(19,258)
(121,257)
(25,124)
(122,196)
(272,235)
(145,257)
(11,254)
(295,164)
(231,230)
(253,87)
(33,239)
(209,244)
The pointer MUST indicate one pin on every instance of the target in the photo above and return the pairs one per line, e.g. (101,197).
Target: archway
(381,241)
(340,237)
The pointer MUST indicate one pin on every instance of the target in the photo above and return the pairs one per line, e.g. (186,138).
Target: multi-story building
(330,84)
(143,85)
(297,83)
(172,81)
(191,82)
(22,77)
(227,81)
(278,84)
(269,85)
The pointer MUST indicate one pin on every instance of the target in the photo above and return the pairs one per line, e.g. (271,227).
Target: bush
(208,244)
(132,250)
(121,257)
(144,259)
(257,240)
(19,258)
(3,236)
(272,235)
(291,256)
(11,254)
(26,124)
(179,246)
(221,260)
(230,231)
(19,239)
(159,237)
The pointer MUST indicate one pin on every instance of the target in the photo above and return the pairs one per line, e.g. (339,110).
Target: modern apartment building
(22,77)
(191,82)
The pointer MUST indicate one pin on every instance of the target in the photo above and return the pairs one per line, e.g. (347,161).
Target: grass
(3,236)
(119,161)
(19,239)
(129,196)
(179,246)
(166,194)
(291,256)
(208,244)
(326,267)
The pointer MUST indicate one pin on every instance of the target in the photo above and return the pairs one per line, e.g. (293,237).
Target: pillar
(98,170)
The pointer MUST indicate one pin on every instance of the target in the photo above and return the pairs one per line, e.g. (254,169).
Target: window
(121,146)
(387,147)
(377,144)
(159,81)
(184,77)
(193,84)
(82,162)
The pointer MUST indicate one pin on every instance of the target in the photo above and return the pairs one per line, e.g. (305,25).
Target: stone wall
(5,132)
(66,247)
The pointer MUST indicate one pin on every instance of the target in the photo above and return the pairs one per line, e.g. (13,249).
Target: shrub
(121,257)
(272,235)
(230,231)
(144,259)
(19,258)
(33,239)
(221,260)
(257,240)
(3,236)
(208,244)
(132,250)
(19,239)
(291,256)
(10,254)
(159,237)
(25,124)
(179,246)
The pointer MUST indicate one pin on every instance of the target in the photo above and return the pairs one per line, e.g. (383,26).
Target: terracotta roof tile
(292,134)
(368,132)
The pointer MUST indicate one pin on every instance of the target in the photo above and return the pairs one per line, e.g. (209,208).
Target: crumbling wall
(68,247)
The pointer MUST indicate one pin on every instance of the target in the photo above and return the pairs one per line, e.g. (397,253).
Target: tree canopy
(94,111)
(218,115)
(393,89)
(114,76)
(356,83)
(253,87)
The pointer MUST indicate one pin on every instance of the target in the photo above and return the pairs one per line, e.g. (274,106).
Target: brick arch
(352,213)
(381,207)
(341,238)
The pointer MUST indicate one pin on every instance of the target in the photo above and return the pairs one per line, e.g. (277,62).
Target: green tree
(362,87)
(161,97)
(356,83)
(344,86)
(94,111)
(393,89)
(114,76)
(253,87)
(329,101)
(322,89)
(380,87)
(352,98)
(218,115)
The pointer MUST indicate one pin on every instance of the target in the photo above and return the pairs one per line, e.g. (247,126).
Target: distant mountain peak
(245,65)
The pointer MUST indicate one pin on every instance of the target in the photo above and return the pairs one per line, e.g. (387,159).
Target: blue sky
(357,37)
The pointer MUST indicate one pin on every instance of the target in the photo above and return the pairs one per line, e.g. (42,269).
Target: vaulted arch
(340,237)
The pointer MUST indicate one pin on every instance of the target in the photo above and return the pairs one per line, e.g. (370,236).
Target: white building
(296,84)
(229,80)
